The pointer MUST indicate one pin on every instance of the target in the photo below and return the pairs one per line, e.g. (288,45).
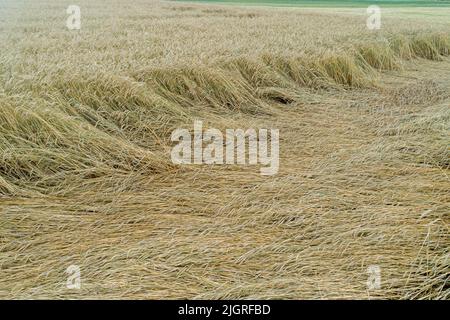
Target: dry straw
(86,176)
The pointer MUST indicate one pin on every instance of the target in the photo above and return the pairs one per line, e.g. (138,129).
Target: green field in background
(337,3)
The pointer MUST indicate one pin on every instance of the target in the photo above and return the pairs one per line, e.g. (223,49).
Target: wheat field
(86,176)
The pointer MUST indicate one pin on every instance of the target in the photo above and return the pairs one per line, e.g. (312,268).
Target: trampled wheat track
(86,177)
